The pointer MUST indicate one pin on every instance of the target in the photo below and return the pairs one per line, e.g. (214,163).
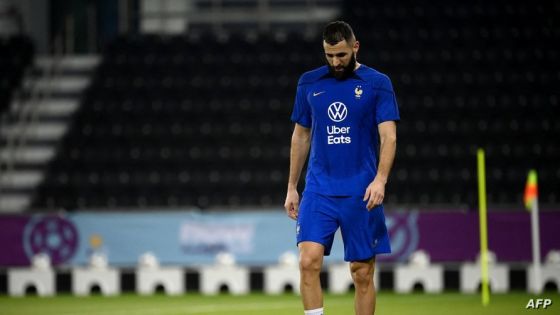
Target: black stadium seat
(204,120)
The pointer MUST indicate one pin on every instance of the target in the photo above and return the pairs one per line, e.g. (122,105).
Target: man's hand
(292,203)
(375,193)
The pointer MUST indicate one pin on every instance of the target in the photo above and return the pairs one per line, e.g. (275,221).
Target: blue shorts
(364,232)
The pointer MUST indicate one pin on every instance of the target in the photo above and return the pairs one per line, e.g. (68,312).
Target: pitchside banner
(254,238)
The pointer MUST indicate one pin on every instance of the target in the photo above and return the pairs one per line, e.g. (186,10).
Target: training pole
(483,227)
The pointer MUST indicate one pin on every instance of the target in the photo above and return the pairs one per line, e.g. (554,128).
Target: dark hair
(336,32)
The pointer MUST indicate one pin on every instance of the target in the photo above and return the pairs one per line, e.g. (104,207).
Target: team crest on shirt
(358,91)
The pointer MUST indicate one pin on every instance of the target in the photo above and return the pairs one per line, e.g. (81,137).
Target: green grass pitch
(288,304)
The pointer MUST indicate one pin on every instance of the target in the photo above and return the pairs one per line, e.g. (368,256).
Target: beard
(343,72)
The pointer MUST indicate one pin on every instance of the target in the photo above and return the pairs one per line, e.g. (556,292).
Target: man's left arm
(375,191)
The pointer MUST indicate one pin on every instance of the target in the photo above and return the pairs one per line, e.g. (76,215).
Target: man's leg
(310,264)
(362,274)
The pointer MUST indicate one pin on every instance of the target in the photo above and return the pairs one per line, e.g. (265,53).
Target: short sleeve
(301,113)
(386,106)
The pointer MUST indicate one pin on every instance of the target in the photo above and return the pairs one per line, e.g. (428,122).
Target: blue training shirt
(343,117)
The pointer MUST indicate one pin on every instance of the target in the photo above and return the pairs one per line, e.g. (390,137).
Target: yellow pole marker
(483,227)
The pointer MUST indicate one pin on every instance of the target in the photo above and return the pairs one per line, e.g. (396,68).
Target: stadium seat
(465,76)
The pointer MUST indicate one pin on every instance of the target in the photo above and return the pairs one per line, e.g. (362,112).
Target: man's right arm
(298,153)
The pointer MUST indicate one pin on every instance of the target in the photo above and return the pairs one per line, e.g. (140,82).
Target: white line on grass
(197,309)
(189,309)
(238,307)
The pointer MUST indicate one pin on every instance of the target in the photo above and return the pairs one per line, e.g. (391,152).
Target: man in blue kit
(346,113)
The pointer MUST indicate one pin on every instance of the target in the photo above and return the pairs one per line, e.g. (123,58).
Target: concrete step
(57,107)
(75,62)
(59,84)
(20,179)
(14,202)
(51,108)
(71,76)
(28,155)
(51,130)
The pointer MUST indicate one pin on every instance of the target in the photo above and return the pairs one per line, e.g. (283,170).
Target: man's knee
(362,274)
(310,257)
(310,264)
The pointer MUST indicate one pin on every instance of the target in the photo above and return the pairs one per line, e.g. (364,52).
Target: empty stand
(203,119)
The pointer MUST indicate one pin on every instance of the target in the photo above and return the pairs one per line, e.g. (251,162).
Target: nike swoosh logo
(318,93)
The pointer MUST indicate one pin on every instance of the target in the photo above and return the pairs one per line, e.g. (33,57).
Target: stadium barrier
(188,242)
